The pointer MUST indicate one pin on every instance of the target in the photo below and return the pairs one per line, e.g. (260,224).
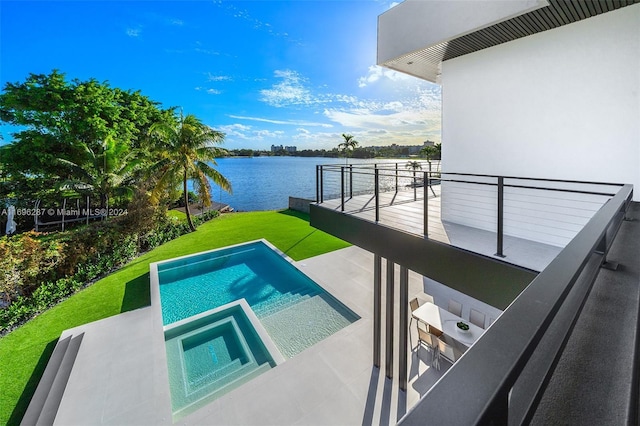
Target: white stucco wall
(561,104)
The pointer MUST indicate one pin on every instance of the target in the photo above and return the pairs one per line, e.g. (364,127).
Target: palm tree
(349,145)
(108,172)
(185,148)
(415,166)
(431,152)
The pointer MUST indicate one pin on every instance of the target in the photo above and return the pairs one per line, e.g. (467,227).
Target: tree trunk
(186,202)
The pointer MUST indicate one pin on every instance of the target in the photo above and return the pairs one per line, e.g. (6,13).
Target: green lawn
(25,352)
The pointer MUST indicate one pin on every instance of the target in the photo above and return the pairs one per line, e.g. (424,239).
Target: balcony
(522,221)
(532,358)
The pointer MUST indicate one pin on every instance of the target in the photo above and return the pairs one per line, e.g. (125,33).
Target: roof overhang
(415,36)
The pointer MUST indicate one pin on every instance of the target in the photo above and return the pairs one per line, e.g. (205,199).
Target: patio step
(288,299)
(46,399)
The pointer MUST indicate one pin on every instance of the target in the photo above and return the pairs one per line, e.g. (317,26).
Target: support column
(500,230)
(404,327)
(389,314)
(377,308)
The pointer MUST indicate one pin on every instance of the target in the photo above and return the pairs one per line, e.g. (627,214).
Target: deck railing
(502,377)
(549,211)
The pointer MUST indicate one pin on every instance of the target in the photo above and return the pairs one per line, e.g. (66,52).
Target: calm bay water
(265,183)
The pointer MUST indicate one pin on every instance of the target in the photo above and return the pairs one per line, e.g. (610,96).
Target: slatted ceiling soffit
(425,63)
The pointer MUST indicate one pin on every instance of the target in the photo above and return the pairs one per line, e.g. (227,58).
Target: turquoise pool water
(295,311)
(212,354)
(234,313)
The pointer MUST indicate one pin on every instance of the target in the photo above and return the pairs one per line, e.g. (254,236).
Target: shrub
(45,296)
(25,261)
(36,275)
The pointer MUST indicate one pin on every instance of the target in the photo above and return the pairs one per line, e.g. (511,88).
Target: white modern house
(529,88)
(541,151)
(532,220)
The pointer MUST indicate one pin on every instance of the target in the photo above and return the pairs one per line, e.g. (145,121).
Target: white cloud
(285,122)
(212,77)
(134,32)
(406,110)
(208,91)
(262,134)
(410,120)
(206,51)
(238,131)
(377,73)
(290,91)
(244,15)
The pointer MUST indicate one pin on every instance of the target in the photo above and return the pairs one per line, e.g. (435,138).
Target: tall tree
(61,119)
(432,152)
(107,171)
(348,146)
(185,149)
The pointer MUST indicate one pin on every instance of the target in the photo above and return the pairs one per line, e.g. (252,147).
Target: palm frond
(215,176)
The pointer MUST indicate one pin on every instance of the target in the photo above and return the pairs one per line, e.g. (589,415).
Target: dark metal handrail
(391,170)
(500,379)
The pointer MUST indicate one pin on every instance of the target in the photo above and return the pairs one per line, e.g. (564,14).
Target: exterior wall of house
(561,104)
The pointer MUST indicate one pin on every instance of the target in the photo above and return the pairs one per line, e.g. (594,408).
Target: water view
(265,183)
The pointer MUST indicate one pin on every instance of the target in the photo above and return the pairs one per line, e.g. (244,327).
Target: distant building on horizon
(275,149)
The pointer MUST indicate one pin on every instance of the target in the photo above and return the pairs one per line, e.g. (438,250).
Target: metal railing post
(321,185)
(415,186)
(426,205)
(351,181)
(342,187)
(500,232)
(377,194)
(396,177)
(317,184)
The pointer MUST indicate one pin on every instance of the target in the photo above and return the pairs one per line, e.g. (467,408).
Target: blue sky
(264,72)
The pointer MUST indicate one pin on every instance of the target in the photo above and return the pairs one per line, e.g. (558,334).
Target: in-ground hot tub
(214,352)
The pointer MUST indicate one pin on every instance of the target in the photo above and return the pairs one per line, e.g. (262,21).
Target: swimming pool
(213,347)
(215,352)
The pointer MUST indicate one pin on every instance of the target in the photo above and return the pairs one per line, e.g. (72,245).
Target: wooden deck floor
(404,212)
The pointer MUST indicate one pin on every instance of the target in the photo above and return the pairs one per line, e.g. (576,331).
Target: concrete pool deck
(120,375)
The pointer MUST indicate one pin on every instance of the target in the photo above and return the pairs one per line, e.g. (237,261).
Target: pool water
(295,311)
(234,313)
(214,353)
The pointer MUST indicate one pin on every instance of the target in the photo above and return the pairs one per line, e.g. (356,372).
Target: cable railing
(346,181)
(547,211)
(501,378)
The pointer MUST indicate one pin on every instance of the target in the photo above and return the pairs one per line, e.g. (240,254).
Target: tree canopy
(64,127)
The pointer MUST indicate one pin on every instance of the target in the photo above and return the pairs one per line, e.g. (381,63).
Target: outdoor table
(445,321)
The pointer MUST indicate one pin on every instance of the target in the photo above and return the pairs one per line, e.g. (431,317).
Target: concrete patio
(119,375)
